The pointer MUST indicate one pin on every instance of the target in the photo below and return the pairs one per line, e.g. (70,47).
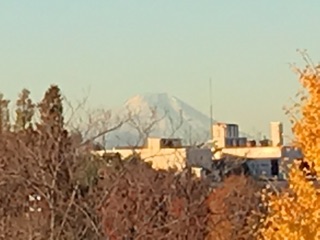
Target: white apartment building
(269,158)
(165,153)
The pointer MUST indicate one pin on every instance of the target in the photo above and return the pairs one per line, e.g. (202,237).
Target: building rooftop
(263,152)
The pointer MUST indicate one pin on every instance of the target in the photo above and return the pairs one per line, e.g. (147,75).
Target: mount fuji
(158,115)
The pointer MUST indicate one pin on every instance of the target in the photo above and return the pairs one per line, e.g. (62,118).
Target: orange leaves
(147,204)
(295,212)
(231,207)
(177,206)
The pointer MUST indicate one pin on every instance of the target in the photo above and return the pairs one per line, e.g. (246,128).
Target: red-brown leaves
(145,203)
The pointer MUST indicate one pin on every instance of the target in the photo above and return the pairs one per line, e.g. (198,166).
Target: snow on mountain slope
(159,115)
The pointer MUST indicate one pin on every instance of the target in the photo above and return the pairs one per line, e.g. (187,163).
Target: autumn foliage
(84,196)
(51,187)
(149,204)
(38,160)
(235,209)
(294,213)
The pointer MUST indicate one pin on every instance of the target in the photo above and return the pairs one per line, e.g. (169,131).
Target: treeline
(53,188)
(76,195)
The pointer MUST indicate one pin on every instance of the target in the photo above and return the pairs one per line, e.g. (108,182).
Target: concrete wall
(260,158)
(289,154)
(276,133)
(219,134)
(254,152)
(165,158)
(199,157)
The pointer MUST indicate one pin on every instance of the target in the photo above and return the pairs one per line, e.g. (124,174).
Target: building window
(274,167)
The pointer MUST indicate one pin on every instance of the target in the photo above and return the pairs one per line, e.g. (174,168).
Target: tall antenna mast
(211,111)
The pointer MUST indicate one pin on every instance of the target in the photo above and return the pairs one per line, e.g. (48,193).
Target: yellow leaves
(294,213)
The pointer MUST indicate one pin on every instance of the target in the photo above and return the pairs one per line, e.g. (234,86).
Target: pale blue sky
(122,48)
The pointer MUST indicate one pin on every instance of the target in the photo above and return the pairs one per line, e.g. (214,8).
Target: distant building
(269,158)
(276,135)
(165,153)
(227,135)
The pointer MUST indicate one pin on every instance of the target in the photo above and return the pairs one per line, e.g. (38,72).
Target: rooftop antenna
(211,111)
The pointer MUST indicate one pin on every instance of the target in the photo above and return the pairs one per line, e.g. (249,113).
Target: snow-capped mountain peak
(159,115)
(160,100)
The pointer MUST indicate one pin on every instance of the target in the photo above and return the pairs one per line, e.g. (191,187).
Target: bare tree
(90,125)
(144,125)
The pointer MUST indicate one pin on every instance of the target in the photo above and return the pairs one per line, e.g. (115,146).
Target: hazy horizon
(118,49)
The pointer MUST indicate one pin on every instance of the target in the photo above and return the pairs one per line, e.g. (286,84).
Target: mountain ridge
(158,115)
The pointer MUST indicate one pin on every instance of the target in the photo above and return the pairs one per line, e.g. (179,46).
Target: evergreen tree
(4,114)
(51,110)
(24,111)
